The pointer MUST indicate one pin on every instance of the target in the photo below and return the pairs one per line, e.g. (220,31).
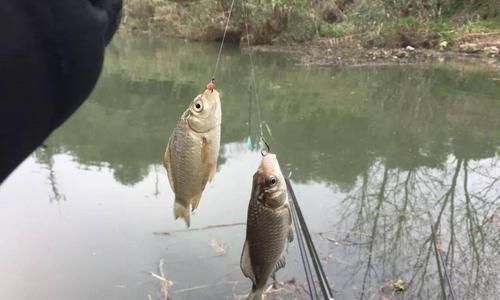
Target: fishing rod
(318,267)
(303,255)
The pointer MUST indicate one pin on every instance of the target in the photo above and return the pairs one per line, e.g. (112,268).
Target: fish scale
(186,169)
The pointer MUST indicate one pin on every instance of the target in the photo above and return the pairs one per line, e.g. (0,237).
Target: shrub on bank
(370,23)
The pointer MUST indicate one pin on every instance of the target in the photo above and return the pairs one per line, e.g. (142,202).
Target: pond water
(376,155)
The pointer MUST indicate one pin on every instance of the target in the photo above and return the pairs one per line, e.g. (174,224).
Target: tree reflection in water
(390,210)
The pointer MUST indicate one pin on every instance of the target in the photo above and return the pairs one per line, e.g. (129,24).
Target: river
(376,154)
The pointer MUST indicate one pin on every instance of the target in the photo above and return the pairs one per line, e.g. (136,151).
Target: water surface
(376,154)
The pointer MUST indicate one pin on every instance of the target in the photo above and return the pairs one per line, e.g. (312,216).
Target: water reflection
(342,120)
(44,155)
(389,209)
(390,144)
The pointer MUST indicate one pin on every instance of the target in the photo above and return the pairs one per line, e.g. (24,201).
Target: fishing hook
(268,149)
(211,85)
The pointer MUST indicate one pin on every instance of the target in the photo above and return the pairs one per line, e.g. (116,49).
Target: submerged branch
(204,286)
(198,229)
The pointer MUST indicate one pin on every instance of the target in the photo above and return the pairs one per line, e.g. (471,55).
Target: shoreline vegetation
(322,32)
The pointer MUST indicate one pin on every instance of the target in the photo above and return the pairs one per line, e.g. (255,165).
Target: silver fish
(269,225)
(192,152)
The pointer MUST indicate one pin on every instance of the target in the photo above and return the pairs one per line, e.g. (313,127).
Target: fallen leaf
(327,259)
(399,285)
(439,246)
(218,247)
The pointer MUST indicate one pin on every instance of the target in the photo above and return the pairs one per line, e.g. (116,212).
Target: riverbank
(482,50)
(332,32)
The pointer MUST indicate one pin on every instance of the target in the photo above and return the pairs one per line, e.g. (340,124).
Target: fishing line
(223,38)
(303,236)
(305,260)
(252,71)
(249,137)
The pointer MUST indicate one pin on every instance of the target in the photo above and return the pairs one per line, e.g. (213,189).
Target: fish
(192,152)
(269,226)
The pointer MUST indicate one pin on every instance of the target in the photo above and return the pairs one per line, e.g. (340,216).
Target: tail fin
(182,211)
(256,294)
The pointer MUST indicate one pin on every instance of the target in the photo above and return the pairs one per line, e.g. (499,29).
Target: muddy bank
(478,49)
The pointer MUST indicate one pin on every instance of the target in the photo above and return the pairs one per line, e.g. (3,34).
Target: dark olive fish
(268,226)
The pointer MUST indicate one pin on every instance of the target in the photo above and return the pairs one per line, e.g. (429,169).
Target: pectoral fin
(290,234)
(212,168)
(205,150)
(246,263)
(167,163)
(287,206)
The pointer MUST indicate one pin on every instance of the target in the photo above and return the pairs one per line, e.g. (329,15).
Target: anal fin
(195,201)
(182,211)
(280,264)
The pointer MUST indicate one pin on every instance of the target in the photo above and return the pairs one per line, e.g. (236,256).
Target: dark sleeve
(51,55)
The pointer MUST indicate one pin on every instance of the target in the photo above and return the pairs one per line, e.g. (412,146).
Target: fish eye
(272,181)
(198,106)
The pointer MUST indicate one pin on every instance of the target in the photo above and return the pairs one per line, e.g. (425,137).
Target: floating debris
(218,247)
(165,283)
(327,259)
(399,285)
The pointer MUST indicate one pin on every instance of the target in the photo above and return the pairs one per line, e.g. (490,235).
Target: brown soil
(473,48)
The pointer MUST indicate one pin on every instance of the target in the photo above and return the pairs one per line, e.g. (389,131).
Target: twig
(341,242)
(198,229)
(288,287)
(165,286)
(438,263)
(203,286)
(164,282)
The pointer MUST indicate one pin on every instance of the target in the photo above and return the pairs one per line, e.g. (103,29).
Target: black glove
(51,55)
